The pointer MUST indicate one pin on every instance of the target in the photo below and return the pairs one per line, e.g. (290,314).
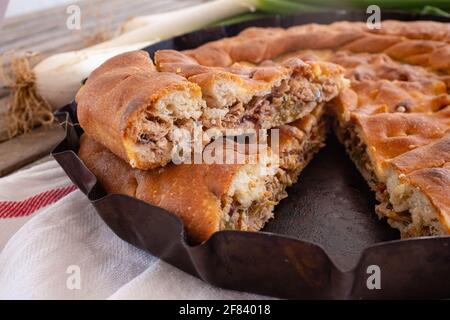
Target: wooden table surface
(46,32)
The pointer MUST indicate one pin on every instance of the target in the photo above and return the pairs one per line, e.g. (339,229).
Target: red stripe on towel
(13,209)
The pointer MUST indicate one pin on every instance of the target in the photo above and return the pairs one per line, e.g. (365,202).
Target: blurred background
(18,7)
(38,27)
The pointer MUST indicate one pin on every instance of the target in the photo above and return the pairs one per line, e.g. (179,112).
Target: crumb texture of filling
(404,206)
(153,134)
(409,209)
(291,99)
(357,150)
(257,189)
(252,195)
(294,160)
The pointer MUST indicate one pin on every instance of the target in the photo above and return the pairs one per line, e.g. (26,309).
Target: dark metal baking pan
(324,240)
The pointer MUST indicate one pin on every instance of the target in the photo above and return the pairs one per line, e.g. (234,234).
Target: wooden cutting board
(46,32)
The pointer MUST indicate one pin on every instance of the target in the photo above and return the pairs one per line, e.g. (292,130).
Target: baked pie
(386,92)
(238,196)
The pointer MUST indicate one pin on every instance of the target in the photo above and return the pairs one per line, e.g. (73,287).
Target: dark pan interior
(332,205)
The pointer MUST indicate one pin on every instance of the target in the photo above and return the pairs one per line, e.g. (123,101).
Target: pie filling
(405,207)
(252,213)
(291,100)
(153,132)
(294,161)
(156,135)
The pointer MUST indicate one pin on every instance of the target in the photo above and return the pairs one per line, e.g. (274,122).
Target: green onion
(436,7)
(383,4)
(286,6)
(242,18)
(435,11)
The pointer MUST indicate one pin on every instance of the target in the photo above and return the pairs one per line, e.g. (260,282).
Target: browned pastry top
(428,168)
(399,99)
(426,30)
(399,107)
(399,73)
(256,45)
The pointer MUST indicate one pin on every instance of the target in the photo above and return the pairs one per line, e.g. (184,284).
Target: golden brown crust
(171,187)
(397,107)
(428,168)
(418,30)
(256,45)
(433,155)
(381,82)
(400,110)
(113,95)
(389,135)
(110,165)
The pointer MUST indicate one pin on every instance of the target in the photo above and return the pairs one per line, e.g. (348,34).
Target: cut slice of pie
(238,196)
(395,124)
(388,149)
(145,114)
(418,185)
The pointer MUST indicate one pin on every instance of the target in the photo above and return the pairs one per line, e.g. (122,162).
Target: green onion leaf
(435,11)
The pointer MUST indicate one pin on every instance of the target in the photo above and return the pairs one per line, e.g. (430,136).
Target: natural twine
(26,108)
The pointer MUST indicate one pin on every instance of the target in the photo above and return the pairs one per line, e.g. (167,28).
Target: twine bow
(26,109)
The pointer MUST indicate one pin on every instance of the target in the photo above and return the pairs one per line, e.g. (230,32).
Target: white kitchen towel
(61,249)
(26,192)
